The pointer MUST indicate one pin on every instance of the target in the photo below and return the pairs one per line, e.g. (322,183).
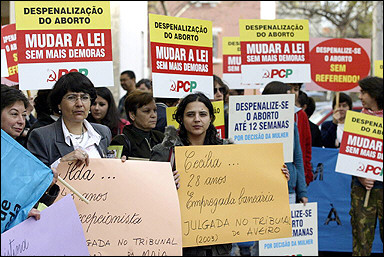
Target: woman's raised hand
(79,155)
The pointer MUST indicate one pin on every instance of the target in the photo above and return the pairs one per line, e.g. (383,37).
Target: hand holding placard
(228,196)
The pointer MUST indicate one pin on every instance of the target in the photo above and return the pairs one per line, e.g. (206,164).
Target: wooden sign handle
(366,198)
(72,189)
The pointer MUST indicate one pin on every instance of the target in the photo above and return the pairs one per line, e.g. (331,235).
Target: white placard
(305,235)
(4,65)
(261,119)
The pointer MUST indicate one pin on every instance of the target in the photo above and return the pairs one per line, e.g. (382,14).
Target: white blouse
(86,142)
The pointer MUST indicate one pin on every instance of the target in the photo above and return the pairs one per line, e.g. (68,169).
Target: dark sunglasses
(221,89)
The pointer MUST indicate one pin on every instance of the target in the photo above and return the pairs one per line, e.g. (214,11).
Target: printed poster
(378,68)
(9,71)
(361,148)
(120,218)
(4,64)
(181,56)
(58,232)
(263,119)
(232,63)
(304,240)
(274,50)
(58,37)
(228,195)
(218,109)
(337,64)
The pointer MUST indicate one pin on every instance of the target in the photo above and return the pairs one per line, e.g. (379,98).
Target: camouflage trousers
(364,219)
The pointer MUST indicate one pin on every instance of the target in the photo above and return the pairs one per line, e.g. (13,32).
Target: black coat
(328,134)
(316,135)
(135,144)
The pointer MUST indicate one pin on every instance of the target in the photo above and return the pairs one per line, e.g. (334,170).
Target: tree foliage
(349,19)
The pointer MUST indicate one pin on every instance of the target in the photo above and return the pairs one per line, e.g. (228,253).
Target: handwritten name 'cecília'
(200,163)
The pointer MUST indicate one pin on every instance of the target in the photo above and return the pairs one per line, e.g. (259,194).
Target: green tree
(348,19)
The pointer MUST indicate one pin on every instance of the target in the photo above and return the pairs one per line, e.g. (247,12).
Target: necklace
(149,145)
(81,137)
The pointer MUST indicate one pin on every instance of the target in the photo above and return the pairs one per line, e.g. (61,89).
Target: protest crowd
(77,121)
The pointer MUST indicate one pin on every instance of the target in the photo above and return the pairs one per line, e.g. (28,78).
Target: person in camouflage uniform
(364,219)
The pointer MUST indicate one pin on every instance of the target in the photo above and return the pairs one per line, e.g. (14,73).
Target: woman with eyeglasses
(71,137)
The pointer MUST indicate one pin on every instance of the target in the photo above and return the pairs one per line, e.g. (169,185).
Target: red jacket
(302,122)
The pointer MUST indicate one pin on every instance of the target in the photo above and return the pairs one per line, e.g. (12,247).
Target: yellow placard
(232,193)
(171,118)
(274,30)
(218,109)
(115,151)
(180,31)
(378,68)
(47,15)
(364,124)
(119,219)
(231,46)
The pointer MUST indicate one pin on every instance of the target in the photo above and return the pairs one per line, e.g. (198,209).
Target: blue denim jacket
(297,182)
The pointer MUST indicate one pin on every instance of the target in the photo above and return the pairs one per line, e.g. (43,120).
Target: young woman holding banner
(195,115)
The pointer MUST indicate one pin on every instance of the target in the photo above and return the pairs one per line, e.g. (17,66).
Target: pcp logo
(361,167)
(54,76)
(283,73)
(376,170)
(187,86)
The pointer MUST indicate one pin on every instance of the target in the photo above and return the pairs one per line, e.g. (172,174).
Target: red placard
(338,64)
(9,43)
(181,59)
(52,46)
(362,147)
(279,52)
(231,63)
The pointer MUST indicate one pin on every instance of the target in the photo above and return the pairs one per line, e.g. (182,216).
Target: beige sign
(133,209)
(232,193)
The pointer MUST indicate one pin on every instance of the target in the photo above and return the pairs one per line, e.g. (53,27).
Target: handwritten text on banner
(227,195)
(120,218)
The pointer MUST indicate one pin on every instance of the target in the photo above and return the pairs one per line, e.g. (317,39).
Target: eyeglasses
(221,89)
(73,98)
